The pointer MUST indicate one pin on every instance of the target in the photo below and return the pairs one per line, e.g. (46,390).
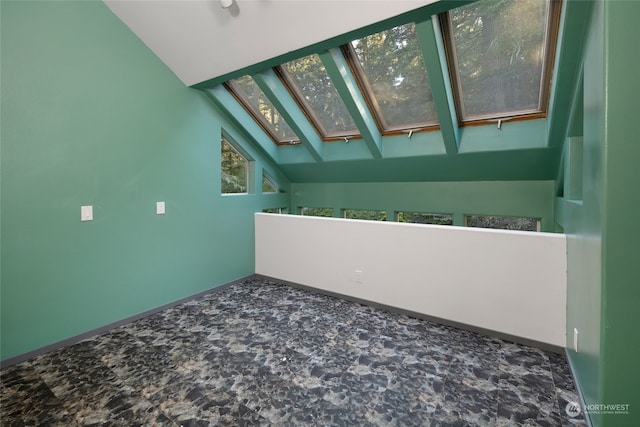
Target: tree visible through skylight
(316,91)
(262,109)
(391,68)
(500,49)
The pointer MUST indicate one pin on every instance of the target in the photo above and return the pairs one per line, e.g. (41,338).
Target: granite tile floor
(263,353)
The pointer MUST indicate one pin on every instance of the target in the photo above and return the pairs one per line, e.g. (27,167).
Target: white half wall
(506,281)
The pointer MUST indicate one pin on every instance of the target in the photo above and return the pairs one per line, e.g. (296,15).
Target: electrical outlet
(358,275)
(576,334)
(86,213)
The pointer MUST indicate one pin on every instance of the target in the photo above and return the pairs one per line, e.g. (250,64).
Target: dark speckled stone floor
(263,353)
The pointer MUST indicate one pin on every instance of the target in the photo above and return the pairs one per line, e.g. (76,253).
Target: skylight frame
(551,38)
(238,94)
(369,95)
(289,81)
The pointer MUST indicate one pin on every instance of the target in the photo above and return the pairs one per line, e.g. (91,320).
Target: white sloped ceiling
(199,40)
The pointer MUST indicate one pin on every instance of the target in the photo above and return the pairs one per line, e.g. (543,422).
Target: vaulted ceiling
(206,45)
(199,40)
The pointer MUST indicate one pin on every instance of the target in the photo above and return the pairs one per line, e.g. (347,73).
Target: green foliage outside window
(234,170)
(325,104)
(263,109)
(425,218)
(326,212)
(502,222)
(394,68)
(268,186)
(370,215)
(500,47)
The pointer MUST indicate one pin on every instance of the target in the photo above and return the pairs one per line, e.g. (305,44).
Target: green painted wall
(602,227)
(515,198)
(90,116)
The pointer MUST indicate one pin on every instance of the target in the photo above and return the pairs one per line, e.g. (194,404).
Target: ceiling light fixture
(226,3)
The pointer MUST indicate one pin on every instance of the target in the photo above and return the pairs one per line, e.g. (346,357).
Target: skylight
(317,95)
(500,57)
(259,106)
(390,68)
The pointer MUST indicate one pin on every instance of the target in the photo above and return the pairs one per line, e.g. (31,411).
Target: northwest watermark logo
(573,409)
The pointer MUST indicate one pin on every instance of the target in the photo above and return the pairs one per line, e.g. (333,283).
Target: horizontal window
(327,212)
(425,218)
(274,210)
(370,215)
(503,222)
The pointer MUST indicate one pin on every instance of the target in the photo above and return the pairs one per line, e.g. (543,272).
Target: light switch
(86,213)
(160,208)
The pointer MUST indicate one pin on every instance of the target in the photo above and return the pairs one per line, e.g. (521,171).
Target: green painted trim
(355,149)
(433,52)
(511,136)
(576,118)
(574,25)
(415,15)
(294,154)
(561,173)
(428,143)
(573,171)
(504,198)
(236,113)
(346,85)
(274,89)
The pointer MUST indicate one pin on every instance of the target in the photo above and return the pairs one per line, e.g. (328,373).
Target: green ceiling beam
(347,87)
(278,94)
(236,113)
(433,52)
(576,120)
(567,69)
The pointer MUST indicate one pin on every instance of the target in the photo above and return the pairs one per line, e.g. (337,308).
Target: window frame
(236,92)
(345,214)
(301,210)
(537,219)
(349,53)
(551,36)
(224,139)
(271,181)
(289,82)
(449,215)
